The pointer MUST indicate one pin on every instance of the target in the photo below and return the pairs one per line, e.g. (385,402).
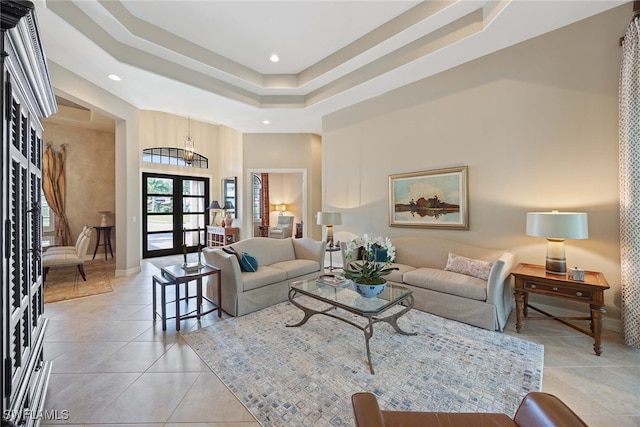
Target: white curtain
(629,99)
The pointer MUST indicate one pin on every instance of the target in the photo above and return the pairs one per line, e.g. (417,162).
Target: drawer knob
(579,293)
(555,288)
(533,286)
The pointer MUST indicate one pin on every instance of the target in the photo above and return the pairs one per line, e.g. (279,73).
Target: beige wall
(535,123)
(285,188)
(90,172)
(280,153)
(158,129)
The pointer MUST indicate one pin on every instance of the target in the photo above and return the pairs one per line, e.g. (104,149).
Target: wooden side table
(533,279)
(106,231)
(221,236)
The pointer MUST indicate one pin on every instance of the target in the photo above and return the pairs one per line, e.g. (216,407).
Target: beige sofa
(421,263)
(280,262)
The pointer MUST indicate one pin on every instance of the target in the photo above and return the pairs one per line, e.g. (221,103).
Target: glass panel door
(174,213)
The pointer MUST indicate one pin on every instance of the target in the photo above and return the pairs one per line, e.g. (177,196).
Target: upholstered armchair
(68,255)
(536,410)
(283,229)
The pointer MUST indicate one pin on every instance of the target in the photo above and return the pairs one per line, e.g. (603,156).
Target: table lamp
(214,206)
(280,209)
(555,227)
(329,219)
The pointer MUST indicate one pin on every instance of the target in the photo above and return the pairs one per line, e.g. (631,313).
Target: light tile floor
(112,365)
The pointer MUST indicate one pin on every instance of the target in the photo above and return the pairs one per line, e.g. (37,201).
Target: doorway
(173,213)
(286,190)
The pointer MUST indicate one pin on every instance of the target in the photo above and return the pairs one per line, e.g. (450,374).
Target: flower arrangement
(368,270)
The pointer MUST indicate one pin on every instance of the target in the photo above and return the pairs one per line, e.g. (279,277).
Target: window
(257,198)
(48,217)
(173,156)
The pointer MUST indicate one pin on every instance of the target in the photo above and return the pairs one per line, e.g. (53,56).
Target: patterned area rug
(305,376)
(65,283)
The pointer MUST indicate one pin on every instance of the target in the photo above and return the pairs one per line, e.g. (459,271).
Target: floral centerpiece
(376,255)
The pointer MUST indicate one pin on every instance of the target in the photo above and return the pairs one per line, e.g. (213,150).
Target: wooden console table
(533,279)
(221,236)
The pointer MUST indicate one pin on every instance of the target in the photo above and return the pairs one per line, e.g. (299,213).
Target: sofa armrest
(366,410)
(231,278)
(498,277)
(306,248)
(543,409)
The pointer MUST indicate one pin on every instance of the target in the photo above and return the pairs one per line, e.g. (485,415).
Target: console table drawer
(561,291)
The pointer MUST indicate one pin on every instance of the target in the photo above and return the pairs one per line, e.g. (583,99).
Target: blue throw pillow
(379,255)
(248,263)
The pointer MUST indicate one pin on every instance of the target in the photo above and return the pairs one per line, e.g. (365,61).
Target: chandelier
(189,146)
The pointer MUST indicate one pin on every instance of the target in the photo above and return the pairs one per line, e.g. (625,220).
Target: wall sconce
(214,207)
(555,227)
(329,219)
(280,209)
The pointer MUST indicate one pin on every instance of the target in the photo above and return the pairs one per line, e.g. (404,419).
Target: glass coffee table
(345,298)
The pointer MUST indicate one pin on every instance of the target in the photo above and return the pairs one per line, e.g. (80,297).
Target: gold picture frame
(430,199)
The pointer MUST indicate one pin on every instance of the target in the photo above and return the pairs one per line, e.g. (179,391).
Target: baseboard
(128,271)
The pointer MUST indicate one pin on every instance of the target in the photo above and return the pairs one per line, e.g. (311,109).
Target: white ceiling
(209,60)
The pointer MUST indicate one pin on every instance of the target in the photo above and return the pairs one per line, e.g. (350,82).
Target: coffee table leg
(308,312)
(393,319)
(368,333)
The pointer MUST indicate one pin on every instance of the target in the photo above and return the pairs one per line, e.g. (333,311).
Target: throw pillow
(248,263)
(380,254)
(470,267)
(231,251)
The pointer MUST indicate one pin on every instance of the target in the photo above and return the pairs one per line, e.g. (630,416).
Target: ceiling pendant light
(189,146)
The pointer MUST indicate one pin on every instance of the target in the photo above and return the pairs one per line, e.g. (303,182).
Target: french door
(173,213)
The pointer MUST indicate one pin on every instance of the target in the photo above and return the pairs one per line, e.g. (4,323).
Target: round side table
(106,231)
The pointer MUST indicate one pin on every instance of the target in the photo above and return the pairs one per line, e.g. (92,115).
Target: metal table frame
(372,317)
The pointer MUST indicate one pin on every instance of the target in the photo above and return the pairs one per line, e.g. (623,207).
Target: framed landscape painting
(429,199)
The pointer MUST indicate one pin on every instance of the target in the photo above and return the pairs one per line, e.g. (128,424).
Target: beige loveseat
(280,262)
(421,263)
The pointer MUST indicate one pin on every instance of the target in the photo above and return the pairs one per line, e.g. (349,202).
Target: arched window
(173,156)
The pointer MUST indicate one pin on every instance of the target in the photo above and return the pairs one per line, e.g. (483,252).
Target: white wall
(535,123)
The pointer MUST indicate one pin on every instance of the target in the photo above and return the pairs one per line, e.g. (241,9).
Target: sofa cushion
(471,267)
(267,251)
(265,275)
(297,267)
(447,282)
(432,252)
(396,275)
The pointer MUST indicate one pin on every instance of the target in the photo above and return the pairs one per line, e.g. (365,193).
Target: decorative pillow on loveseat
(467,266)
(248,263)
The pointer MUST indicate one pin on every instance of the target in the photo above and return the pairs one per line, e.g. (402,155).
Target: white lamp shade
(329,218)
(558,225)
(281,208)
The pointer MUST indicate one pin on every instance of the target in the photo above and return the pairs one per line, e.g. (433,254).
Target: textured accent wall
(90,168)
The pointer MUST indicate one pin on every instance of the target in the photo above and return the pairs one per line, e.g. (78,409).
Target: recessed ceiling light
(266,122)
(114,77)
(274,58)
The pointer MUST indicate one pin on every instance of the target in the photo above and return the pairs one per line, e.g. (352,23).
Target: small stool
(164,283)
